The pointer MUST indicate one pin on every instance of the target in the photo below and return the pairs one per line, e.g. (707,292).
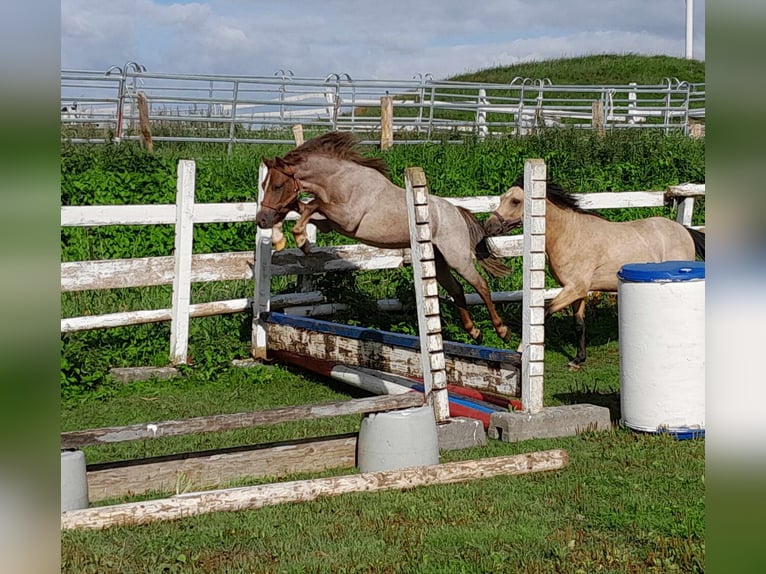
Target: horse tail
(699,241)
(489,262)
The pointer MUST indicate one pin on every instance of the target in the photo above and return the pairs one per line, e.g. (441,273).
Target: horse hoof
(574,365)
(478,339)
(507,336)
(306,248)
(280,245)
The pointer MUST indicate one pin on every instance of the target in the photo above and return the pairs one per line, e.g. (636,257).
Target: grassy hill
(596,69)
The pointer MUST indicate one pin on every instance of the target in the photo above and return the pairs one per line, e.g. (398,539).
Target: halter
(505,224)
(296,192)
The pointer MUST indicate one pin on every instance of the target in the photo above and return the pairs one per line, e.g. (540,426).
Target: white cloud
(366,39)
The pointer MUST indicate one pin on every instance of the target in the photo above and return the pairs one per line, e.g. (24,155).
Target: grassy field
(627,502)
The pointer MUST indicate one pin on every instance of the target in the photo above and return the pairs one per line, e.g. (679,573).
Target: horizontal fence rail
(184,268)
(103,106)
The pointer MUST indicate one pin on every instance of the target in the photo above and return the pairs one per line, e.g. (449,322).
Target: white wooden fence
(183,268)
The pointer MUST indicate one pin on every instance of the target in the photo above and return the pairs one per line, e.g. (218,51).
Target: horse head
(281,191)
(509,212)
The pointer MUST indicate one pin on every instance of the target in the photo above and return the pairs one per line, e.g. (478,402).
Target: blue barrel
(661,310)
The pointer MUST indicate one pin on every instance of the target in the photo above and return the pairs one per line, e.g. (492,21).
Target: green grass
(600,69)
(627,502)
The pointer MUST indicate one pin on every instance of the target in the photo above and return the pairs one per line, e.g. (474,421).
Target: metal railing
(102,106)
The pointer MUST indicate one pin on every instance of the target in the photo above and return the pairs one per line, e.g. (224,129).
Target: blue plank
(451,348)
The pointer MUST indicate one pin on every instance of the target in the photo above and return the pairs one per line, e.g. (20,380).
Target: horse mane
(560,197)
(341,145)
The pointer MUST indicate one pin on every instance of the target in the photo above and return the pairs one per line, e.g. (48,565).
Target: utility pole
(689,29)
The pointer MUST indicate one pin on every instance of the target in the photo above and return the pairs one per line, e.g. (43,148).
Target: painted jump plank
(482,368)
(453,348)
(254,497)
(215,423)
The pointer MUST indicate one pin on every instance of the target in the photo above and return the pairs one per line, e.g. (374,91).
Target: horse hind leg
(474,278)
(455,290)
(578,310)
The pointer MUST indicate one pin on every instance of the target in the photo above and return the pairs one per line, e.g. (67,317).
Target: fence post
(386,122)
(305,282)
(481,115)
(427,294)
(598,117)
(533,309)
(184,232)
(262,276)
(234,96)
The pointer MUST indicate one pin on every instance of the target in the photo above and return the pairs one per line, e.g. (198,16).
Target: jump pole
(253,497)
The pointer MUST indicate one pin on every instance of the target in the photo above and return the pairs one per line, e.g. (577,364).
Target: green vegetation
(626,503)
(602,69)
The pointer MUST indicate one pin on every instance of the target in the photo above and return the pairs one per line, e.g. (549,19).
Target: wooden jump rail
(211,468)
(253,497)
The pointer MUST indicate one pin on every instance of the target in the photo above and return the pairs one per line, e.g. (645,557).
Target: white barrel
(661,310)
(74,482)
(398,439)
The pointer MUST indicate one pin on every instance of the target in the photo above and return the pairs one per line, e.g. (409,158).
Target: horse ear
(268,162)
(283,166)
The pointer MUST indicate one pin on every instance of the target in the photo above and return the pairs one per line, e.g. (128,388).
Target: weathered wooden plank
(149,271)
(253,497)
(375,353)
(337,258)
(196,471)
(215,423)
(402,340)
(197,310)
(686,190)
(98,215)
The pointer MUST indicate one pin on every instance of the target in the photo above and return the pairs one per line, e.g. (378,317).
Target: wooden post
(298,134)
(143,122)
(259,496)
(262,276)
(386,122)
(533,309)
(427,294)
(182,257)
(598,117)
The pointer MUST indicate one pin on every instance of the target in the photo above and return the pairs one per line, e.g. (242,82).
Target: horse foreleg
(278,239)
(576,298)
(455,290)
(299,229)
(578,310)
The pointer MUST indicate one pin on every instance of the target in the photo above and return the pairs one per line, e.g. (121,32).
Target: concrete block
(551,422)
(461,432)
(132,374)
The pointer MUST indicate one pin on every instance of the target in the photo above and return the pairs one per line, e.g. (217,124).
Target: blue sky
(395,39)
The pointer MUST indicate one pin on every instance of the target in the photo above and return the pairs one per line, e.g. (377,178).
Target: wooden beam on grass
(253,497)
(216,423)
(209,469)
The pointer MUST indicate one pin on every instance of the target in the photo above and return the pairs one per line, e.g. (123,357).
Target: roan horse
(585,251)
(353,195)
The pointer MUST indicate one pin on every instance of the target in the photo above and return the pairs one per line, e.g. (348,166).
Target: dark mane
(341,145)
(559,197)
